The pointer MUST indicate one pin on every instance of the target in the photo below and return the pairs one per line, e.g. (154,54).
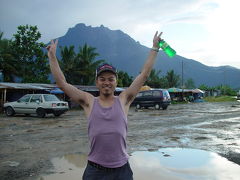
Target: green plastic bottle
(166,48)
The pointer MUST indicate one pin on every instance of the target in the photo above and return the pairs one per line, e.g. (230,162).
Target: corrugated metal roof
(86,88)
(6,85)
(93,88)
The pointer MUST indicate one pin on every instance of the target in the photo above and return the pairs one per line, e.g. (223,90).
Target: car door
(157,97)
(21,106)
(147,98)
(34,103)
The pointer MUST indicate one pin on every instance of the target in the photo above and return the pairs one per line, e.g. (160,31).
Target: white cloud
(178,19)
(223,27)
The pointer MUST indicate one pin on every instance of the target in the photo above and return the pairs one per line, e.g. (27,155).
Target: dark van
(157,98)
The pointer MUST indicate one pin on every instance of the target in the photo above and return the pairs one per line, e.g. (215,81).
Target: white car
(40,104)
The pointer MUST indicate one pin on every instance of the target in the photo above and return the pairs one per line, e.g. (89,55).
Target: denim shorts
(121,173)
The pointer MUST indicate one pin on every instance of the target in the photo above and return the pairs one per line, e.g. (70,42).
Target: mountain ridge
(119,49)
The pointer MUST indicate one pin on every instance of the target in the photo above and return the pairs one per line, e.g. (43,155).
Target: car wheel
(157,107)
(9,111)
(164,107)
(41,112)
(138,106)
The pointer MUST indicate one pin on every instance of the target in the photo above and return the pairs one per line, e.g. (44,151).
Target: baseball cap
(106,67)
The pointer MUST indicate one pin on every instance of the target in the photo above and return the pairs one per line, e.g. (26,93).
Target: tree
(124,80)
(41,70)
(189,84)
(154,79)
(79,68)
(29,52)
(173,80)
(68,64)
(204,87)
(8,64)
(226,90)
(164,82)
(87,64)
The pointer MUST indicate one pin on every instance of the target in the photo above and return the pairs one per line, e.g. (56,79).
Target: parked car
(40,104)
(238,97)
(157,98)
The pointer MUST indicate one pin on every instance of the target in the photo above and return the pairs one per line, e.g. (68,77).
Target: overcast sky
(203,30)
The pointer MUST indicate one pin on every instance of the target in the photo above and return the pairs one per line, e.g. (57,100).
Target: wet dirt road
(27,144)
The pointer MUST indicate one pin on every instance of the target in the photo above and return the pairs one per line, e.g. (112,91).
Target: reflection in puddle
(178,164)
(69,167)
(165,164)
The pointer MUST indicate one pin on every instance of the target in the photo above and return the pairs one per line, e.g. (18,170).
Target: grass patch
(220,98)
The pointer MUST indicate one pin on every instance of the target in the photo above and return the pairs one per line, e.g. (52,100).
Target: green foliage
(154,79)
(40,69)
(219,98)
(204,87)
(25,43)
(124,80)
(225,90)
(173,80)
(79,68)
(87,64)
(68,64)
(189,84)
(207,88)
(8,64)
(31,60)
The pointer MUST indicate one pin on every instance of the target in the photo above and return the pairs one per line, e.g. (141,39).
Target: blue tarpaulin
(56,91)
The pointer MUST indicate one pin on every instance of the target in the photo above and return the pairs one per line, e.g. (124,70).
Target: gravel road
(27,144)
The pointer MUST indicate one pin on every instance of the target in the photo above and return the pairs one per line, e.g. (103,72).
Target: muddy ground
(27,144)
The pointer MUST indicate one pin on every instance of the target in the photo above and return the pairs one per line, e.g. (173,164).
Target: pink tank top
(107,131)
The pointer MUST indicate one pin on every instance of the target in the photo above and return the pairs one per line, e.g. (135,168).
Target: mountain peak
(84,26)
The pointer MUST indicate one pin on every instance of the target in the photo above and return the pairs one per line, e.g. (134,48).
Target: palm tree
(154,79)
(87,64)
(79,68)
(172,79)
(124,80)
(68,63)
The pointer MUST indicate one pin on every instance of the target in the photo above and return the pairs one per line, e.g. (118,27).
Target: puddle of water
(179,164)
(166,164)
(70,167)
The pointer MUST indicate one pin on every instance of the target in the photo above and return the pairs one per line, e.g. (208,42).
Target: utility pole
(182,81)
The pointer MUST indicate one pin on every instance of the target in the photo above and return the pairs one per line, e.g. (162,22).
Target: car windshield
(48,97)
(166,94)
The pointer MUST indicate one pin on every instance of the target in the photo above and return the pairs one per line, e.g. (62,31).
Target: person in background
(106,115)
